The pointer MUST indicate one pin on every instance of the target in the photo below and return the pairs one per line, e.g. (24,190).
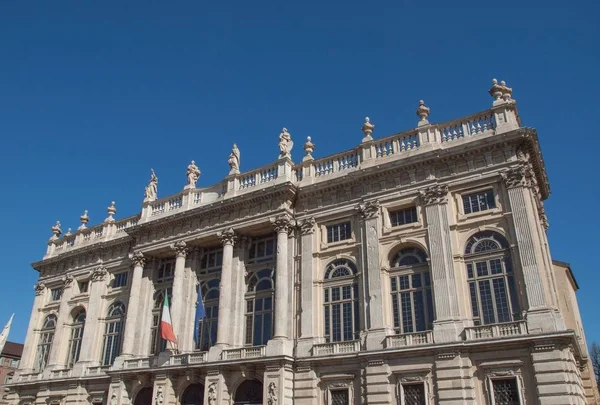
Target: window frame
(474,281)
(396,273)
(254,259)
(44,346)
(458,199)
(396,210)
(250,298)
(157,343)
(323,231)
(211,305)
(81,284)
(118,276)
(331,282)
(112,339)
(338,382)
(56,294)
(494,378)
(77,330)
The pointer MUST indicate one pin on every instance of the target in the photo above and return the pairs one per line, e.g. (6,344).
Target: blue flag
(200,314)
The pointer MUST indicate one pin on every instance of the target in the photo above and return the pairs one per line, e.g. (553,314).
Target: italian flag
(166,325)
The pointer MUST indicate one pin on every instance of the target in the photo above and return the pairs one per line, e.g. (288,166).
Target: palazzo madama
(411,269)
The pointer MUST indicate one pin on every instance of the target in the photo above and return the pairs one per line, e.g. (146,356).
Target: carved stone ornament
(56,231)
(367,129)
(39,288)
(436,194)
(159,396)
(368,210)
(212,393)
(113,399)
(282,223)
(67,281)
(307,226)
(412,378)
(98,274)
(180,248)
(516,177)
(227,236)
(272,394)
(137,258)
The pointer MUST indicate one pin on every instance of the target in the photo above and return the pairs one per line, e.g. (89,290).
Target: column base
(448,330)
(543,320)
(214,353)
(375,338)
(280,347)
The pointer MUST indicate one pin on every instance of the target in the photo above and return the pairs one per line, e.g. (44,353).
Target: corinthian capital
(39,288)
(282,223)
(307,226)
(227,236)
(436,194)
(517,177)
(370,209)
(137,258)
(180,248)
(67,281)
(98,274)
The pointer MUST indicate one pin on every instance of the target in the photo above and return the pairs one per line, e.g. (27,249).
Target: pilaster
(539,316)
(29,349)
(133,319)
(446,327)
(454,379)
(376,331)
(93,325)
(60,344)
(307,288)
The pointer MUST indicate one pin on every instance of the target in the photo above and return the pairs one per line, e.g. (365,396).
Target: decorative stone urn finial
(84,220)
(501,92)
(111,211)
(506,91)
(56,231)
(423,113)
(68,232)
(496,90)
(309,148)
(367,129)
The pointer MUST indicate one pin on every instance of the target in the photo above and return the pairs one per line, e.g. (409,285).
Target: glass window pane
(257,330)
(407,319)
(416,281)
(336,323)
(502,308)
(487,305)
(419,311)
(396,311)
(506,391)
(348,332)
(404,283)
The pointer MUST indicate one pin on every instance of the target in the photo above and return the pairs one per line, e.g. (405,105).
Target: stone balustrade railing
(145,362)
(26,377)
(244,353)
(498,330)
(187,358)
(409,339)
(310,171)
(350,346)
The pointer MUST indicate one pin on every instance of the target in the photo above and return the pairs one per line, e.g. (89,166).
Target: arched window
(491,279)
(45,342)
(206,335)
(250,392)
(158,343)
(412,299)
(113,333)
(342,320)
(76,336)
(259,307)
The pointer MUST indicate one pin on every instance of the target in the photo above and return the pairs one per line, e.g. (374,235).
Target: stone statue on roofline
(193,174)
(234,160)
(151,193)
(285,144)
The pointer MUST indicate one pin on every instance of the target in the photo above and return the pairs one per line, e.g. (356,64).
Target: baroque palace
(412,269)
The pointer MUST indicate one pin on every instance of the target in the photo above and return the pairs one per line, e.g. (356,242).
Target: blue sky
(94,94)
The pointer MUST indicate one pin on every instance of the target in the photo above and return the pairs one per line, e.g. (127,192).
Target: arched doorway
(143,397)
(193,395)
(250,392)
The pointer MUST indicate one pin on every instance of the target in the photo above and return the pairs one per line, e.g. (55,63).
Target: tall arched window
(491,279)
(158,343)
(207,327)
(45,342)
(113,333)
(342,320)
(76,336)
(259,307)
(412,300)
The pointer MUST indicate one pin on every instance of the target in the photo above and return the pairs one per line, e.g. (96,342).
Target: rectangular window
(479,201)
(83,286)
(505,391)
(8,379)
(340,397)
(262,250)
(339,232)
(404,216)
(14,363)
(212,260)
(165,271)
(413,394)
(56,294)
(120,280)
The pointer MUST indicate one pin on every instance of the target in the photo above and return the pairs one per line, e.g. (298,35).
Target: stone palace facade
(412,269)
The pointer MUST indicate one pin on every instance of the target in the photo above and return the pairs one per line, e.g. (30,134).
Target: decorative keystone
(56,231)
(367,129)
(111,211)
(423,113)
(84,220)
(309,148)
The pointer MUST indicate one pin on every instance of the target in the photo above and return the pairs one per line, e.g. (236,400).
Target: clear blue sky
(95,93)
